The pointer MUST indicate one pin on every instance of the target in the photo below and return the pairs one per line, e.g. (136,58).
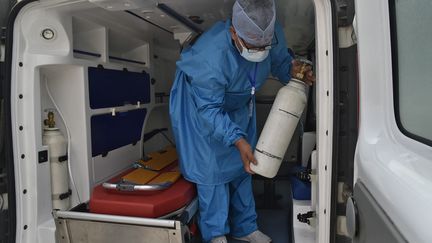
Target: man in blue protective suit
(212,109)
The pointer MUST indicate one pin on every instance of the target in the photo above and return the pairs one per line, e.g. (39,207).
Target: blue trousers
(227,209)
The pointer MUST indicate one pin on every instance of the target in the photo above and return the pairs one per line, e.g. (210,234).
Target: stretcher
(158,172)
(152,189)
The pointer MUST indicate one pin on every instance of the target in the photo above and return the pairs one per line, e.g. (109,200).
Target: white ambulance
(84,96)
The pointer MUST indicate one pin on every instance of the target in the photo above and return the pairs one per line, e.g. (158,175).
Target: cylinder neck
(51,129)
(297,84)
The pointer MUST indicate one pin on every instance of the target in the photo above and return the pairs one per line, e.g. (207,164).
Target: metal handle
(124,187)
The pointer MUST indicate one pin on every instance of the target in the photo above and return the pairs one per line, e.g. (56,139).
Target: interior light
(48,34)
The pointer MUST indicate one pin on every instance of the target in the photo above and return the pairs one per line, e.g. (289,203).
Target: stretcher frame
(83,227)
(128,187)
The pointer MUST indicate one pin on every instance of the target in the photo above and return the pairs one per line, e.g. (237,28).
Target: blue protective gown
(210,110)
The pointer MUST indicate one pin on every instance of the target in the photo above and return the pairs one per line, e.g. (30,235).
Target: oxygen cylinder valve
(300,75)
(50,122)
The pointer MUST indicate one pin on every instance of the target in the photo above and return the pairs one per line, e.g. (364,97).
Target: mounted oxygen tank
(280,126)
(57,150)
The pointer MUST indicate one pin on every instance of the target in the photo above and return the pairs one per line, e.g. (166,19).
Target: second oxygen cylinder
(279,128)
(57,147)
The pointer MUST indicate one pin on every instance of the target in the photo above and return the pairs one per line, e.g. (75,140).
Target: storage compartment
(62,89)
(89,40)
(95,42)
(128,50)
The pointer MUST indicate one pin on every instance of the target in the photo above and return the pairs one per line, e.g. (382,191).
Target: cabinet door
(112,88)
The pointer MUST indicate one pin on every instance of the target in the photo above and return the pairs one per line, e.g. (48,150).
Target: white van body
(362,155)
(394,165)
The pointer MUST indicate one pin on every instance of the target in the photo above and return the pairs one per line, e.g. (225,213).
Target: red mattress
(151,205)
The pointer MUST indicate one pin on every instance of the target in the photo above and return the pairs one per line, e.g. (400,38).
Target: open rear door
(321,171)
(7,186)
(393,163)
(8,215)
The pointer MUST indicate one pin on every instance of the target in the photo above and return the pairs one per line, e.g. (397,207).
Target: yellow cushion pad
(171,176)
(160,160)
(140,176)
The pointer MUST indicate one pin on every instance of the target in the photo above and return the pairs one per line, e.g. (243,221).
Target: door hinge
(2,43)
(2,52)
(341,226)
(345,12)
(2,34)
(344,192)
(347,35)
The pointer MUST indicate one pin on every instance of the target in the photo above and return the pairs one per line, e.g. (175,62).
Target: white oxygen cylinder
(57,150)
(279,128)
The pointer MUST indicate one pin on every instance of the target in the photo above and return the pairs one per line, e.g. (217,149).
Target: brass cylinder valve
(50,122)
(300,75)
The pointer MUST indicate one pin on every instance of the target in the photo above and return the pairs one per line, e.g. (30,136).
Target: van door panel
(374,224)
(393,168)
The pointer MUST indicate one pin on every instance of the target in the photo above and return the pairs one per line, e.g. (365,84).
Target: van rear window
(412,57)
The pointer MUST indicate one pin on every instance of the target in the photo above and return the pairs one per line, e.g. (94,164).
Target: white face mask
(257,56)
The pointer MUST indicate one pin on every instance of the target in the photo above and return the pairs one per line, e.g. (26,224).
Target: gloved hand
(303,73)
(246,154)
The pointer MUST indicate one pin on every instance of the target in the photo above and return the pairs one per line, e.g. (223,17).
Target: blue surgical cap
(254,21)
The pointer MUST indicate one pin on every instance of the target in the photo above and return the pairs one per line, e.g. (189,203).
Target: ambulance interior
(80,60)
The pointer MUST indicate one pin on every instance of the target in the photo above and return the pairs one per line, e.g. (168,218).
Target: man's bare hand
(246,154)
